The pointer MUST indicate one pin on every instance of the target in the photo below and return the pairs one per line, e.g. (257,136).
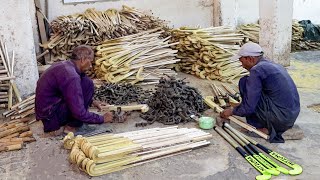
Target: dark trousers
(266,115)
(62,115)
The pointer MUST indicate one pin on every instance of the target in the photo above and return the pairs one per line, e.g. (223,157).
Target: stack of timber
(142,57)
(103,154)
(93,27)
(14,133)
(8,87)
(298,43)
(21,110)
(251,32)
(206,52)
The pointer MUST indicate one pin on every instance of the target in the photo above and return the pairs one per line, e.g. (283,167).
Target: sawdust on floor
(315,107)
(306,75)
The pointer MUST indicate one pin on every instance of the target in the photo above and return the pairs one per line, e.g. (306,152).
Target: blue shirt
(274,81)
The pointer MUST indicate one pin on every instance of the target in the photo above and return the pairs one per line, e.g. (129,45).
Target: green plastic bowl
(206,122)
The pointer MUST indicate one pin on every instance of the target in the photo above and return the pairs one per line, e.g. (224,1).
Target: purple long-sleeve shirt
(62,82)
(274,81)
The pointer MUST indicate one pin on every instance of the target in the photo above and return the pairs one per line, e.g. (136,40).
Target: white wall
(16,30)
(307,9)
(177,12)
(236,12)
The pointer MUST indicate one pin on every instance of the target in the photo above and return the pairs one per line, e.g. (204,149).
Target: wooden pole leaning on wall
(42,31)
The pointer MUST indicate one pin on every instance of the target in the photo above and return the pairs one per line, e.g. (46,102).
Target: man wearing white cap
(270,100)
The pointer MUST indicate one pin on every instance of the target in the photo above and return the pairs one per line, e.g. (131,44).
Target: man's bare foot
(68,129)
(264,130)
(53,133)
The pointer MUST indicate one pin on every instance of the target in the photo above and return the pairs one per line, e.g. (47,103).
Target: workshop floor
(46,159)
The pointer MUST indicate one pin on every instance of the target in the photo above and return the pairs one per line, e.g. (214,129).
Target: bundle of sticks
(251,32)
(21,109)
(92,27)
(206,52)
(225,95)
(139,57)
(8,87)
(102,154)
(298,43)
(14,133)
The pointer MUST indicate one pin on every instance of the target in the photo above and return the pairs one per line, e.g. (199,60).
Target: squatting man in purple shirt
(270,100)
(64,94)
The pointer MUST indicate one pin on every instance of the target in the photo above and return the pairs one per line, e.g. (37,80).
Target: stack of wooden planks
(102,154)
(14,134)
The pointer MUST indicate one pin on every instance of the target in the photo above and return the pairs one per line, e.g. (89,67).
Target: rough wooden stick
(11,136)
(26,134)
(210,103)
(14,130)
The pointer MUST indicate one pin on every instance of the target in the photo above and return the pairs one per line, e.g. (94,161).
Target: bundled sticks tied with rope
(206,52)
(92,27)
(14,133)
(103,154)
(135,58)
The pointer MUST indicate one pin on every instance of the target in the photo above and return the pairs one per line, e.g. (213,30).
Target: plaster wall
(177,12)
(16,30)
(236,12)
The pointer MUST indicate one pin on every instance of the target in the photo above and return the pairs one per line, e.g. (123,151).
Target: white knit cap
(248,49)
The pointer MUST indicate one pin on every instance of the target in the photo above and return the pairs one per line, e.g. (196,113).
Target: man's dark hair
(82,52)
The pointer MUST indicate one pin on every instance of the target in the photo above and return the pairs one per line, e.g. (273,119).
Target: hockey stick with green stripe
(264,173)
(296,169)
(271,166)
(241,136)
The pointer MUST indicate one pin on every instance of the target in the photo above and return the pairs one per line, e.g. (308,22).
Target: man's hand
(98,104)
(226,113)
(108,117)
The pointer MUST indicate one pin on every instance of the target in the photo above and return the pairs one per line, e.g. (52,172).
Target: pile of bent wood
(14,133)
(135,58)
(92,27)
(102,154)
(206,52)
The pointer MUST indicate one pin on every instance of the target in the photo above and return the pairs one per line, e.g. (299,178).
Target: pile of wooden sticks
(98,155)
(21,109)
(135,58)
(14,133)
(8,87)
(92,27)
(206,52)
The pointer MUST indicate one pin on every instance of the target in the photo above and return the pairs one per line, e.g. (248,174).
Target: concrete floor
(46,159)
